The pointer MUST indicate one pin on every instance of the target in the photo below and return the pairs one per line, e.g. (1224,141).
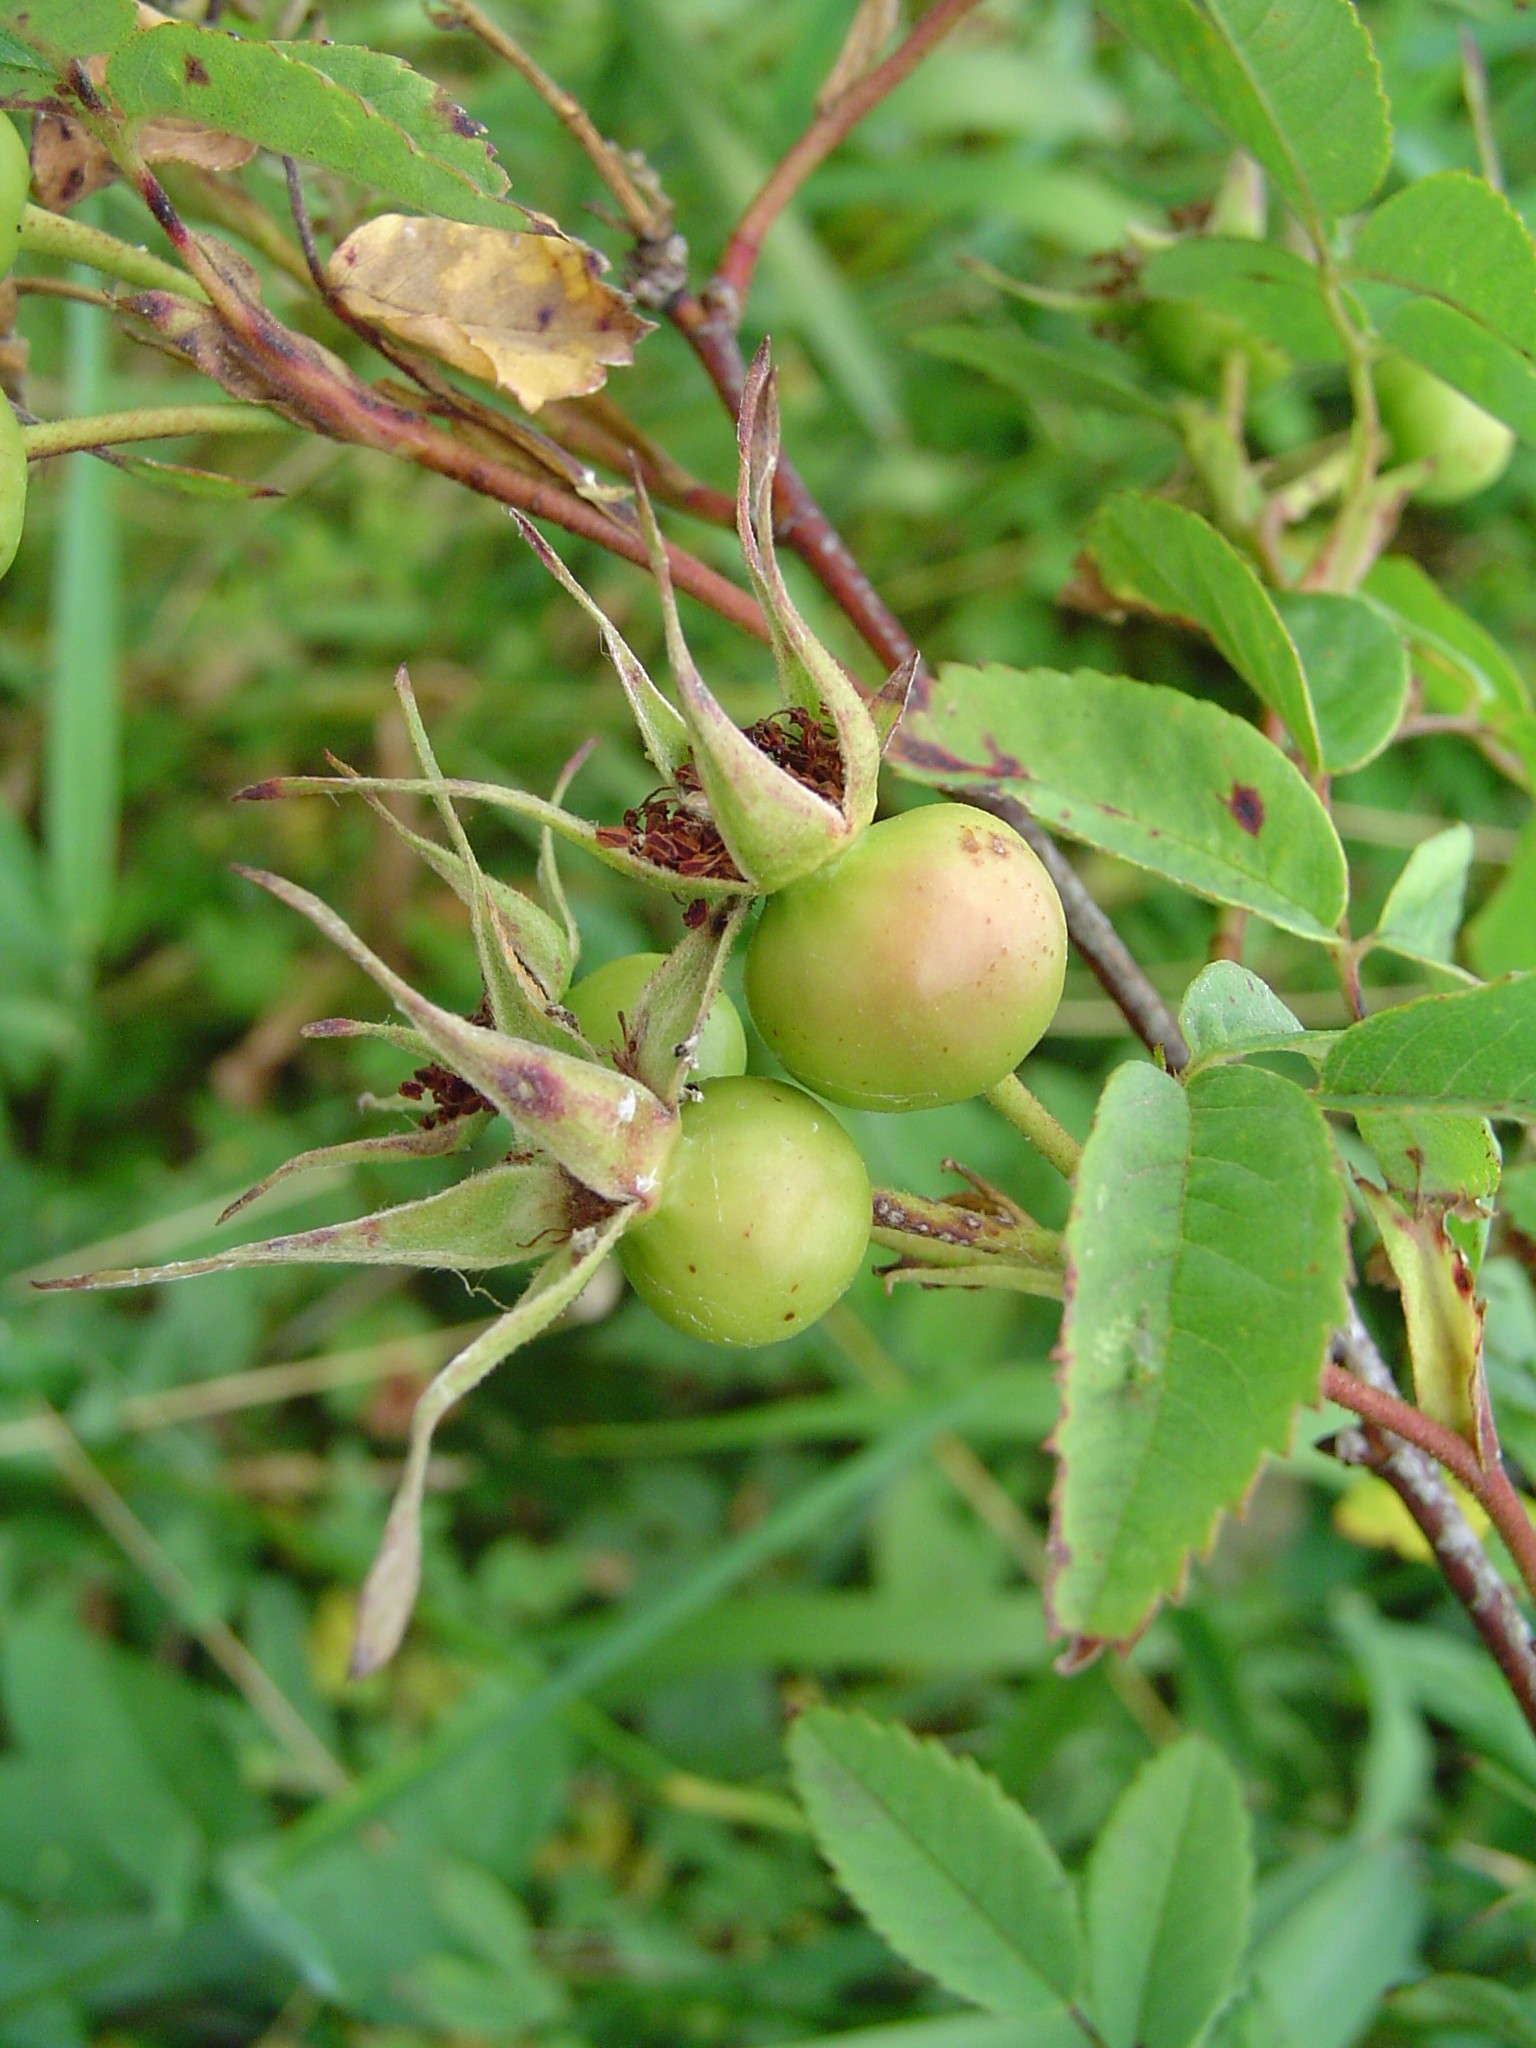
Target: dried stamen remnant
(666,831)
(452,1096)
(805,747)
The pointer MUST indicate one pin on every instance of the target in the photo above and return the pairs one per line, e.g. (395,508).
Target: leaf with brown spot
(527,313)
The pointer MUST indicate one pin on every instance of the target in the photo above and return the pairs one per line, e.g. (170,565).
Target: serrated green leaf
(955,1876)
(289,104)
(1425,1154)
(1443,637)
(1227,1012)
(1206,1262)
(1164,780)
(1452,237)
(1466,260)
(1271,290)
(1422,914)
(1166,1899)
(1169,558)
(60,30)
(1357,673)
(1474,1050)
(417,105)
(1089,375)
(1294,82)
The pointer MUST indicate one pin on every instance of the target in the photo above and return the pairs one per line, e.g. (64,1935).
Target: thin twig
(645,220)
(733,275)
(224,1647)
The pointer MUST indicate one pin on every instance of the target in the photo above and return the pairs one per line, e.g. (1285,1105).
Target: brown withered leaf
(529,313)
(68,163)
(175,141)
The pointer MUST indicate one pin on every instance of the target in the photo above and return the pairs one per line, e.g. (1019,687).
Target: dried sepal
(664,1032)
(612,849)
(503,1216)
(808,672)
(775,827)
(662,731)
(609,1132)
(518,1000)
(552,896)
(389,1593)
(425,1141)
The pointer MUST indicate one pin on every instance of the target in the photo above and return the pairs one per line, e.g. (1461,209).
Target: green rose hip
(916,970)
(601,998)
(15,179)
(763,1220)
(1427,420)
(13,484)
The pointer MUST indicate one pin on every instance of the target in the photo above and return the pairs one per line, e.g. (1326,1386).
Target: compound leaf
(1294,82)
(1164,556)
(1166,1899)
(1474,1050)
(958,1879)
(1206,1267)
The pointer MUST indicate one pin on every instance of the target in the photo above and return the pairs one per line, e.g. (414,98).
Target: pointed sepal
(502,1217)
(664,1032)
(775,826)
(389,1592)
(608,1131)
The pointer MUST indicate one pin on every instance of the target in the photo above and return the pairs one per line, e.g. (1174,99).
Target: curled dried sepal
(501,1217)
(552,894)
(978,1239)
(662,731)
(389,1592)
(612,850)
(808,672)
(608,1131)
(426,1141)
(504,925)
(776,828)
(664,1032)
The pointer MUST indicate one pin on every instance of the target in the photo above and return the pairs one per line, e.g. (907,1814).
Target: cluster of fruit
(917,969)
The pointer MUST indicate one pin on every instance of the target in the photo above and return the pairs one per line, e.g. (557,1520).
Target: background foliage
(561,1815)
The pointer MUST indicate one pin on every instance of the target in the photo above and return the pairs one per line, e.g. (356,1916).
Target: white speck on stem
(627,1105)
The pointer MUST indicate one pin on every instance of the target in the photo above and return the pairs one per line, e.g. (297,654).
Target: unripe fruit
(1427,420)
(15,179)
(1190,343)
(918,969)
(599,999)
(13,484)
(763,1220)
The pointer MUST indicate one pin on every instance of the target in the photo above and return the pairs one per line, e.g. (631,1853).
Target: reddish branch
(1377,1401)
(733,276)
(1401,1445)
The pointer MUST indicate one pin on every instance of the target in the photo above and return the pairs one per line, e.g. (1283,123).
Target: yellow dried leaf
(528,313)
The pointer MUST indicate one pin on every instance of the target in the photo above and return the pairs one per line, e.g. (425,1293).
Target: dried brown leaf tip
(527,313)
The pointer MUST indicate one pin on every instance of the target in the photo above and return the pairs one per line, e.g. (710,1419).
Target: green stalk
(148,423)
(74,241)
